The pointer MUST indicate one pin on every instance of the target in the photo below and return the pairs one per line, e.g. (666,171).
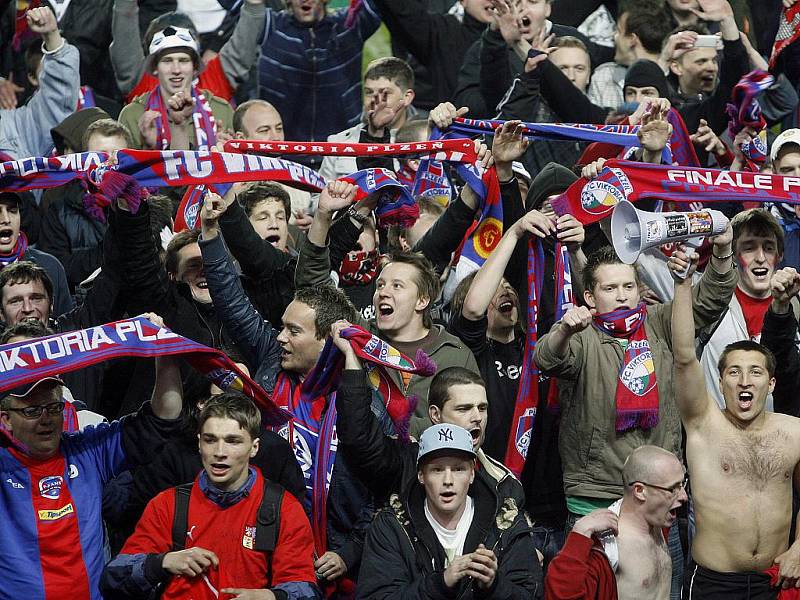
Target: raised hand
(8,92)
(180,107)
(148,129)
(784,285)
(683,263)
(505,20)
(655,130)
(570,232)
(591,170)
(707,139)
(442,116)
(381,113)
(508,144)
(43,21)
(536,223)
(713,10)
(576,319)
(336,196)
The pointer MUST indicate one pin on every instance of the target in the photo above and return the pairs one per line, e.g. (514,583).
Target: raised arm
(779,334)
(167,398)
(376,459)
(254,336)
(127,54)
(691,396)
(241,50)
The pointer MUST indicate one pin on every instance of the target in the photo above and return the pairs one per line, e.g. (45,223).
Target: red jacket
(580,571)
(229,533)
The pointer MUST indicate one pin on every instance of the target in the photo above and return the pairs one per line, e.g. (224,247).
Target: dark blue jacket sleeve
(252,334)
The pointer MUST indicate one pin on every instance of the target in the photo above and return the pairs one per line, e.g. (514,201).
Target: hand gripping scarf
(590,201)
(528,404)
(29,361)
(316,425)
(637,391)
(17,252)
(202,119)
(746,112)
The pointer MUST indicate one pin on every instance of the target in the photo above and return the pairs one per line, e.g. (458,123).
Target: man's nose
(448,476)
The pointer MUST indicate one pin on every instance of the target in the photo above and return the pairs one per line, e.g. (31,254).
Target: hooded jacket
(402,536)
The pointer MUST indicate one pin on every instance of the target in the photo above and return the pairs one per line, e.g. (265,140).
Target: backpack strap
(268,523)
(180,521)
(706,334)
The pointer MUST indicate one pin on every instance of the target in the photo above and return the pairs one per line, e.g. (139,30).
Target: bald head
(648,464)
(258,120)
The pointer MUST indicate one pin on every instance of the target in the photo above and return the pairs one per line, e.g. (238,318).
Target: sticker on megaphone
(634,230)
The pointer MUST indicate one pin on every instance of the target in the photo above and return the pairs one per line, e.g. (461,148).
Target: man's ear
(422,303)
(408,97)
(419,477)
(588,297)
(5,420)
(676,68)
(254,449)
(435,414)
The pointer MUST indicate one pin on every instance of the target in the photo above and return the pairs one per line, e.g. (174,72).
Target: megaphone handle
(695,243)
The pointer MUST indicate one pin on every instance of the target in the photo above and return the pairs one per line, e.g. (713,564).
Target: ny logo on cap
(445,435)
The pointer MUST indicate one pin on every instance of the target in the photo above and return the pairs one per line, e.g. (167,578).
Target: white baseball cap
(171,38)
(790,136)
(445,439)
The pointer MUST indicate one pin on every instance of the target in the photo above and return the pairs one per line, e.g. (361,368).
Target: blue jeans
(548,538)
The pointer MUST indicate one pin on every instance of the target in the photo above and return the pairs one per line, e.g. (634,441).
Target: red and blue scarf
(312,429)
(745,111)
(528,403)
(590,200)
(29,361)
(19,250)
(637,391)
(86,98)
(202,119)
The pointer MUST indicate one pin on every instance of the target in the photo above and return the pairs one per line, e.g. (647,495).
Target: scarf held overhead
(528,403)
(745,111)
(592,200)
(31,360)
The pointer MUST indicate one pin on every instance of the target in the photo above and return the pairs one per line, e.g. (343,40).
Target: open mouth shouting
(760,273)
(385,310)
(745,400)
(273,239)
(7,237)
(476,432)
(448,497)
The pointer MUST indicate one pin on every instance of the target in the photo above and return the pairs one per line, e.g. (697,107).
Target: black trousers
(704,584)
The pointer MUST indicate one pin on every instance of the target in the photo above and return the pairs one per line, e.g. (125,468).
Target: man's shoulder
(45,260)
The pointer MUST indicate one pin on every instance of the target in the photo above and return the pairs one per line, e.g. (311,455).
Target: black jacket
(490,66)
(401,536)
(269,273)
(385,464)
(71,235)
(437,41)
(572,106)
(779,334)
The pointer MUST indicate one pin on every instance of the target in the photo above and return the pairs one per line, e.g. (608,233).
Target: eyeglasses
(674,490)
(34,412)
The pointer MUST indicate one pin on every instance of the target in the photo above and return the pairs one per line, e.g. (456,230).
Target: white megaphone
(634,230)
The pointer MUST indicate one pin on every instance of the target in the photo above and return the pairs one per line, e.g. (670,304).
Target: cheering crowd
(276,324)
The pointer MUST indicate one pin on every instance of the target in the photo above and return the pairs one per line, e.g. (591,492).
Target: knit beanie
(645,73)
(552,179)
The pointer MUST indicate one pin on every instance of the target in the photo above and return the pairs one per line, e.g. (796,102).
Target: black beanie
(645,73)
(554,178)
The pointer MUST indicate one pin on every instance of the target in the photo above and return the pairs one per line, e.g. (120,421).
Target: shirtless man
(633,561)
(742,461)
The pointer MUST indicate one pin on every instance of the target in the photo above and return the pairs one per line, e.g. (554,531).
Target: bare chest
(756,460)
(645,569)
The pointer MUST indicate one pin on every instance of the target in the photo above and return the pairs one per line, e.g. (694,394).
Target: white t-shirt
(452,540)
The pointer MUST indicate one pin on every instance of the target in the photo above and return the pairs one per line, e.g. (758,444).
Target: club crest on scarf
(522,436)
(606,190)
(637,375)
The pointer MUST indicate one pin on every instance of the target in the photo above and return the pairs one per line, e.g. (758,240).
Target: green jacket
(130,115)
(592,452)
(313,269)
